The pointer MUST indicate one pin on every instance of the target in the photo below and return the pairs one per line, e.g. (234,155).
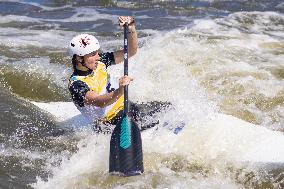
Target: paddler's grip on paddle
(125,80)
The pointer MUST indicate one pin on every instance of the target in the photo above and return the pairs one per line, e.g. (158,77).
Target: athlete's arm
(132,39)
(92,98)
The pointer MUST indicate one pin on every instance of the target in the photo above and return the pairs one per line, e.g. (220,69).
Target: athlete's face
(91,60)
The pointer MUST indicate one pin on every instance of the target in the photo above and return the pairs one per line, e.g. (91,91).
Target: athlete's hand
(125,20)
(125,80)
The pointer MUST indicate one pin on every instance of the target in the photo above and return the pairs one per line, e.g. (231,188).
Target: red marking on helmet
(84,42)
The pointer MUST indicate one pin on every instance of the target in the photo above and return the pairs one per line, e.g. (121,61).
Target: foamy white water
(176,70)
(231,64)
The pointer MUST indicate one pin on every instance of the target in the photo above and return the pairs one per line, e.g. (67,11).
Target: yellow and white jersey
(100,82)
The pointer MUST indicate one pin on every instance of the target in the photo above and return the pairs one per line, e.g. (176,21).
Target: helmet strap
(82,66)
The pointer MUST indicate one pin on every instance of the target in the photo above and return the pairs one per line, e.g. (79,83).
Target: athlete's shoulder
(76,84)
(78,90)
(74,79)
(107,58)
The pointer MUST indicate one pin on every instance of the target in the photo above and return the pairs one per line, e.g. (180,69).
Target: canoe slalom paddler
(97,95)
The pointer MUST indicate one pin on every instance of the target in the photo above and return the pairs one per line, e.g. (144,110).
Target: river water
(203,56)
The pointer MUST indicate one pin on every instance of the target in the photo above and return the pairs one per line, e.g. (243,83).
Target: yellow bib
(99,81)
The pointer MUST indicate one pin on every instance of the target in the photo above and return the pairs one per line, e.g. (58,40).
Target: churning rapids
(220,63)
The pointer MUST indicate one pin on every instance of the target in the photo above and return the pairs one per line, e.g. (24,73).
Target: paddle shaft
(126,156)
(125,67)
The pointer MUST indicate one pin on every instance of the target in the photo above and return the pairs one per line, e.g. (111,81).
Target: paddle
(126,156)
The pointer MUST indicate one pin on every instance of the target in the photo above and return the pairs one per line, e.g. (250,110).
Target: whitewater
(219,64)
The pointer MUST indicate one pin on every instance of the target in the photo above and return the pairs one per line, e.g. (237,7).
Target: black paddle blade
(126,156)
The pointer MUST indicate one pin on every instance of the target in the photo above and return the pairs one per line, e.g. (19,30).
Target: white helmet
(83,44)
